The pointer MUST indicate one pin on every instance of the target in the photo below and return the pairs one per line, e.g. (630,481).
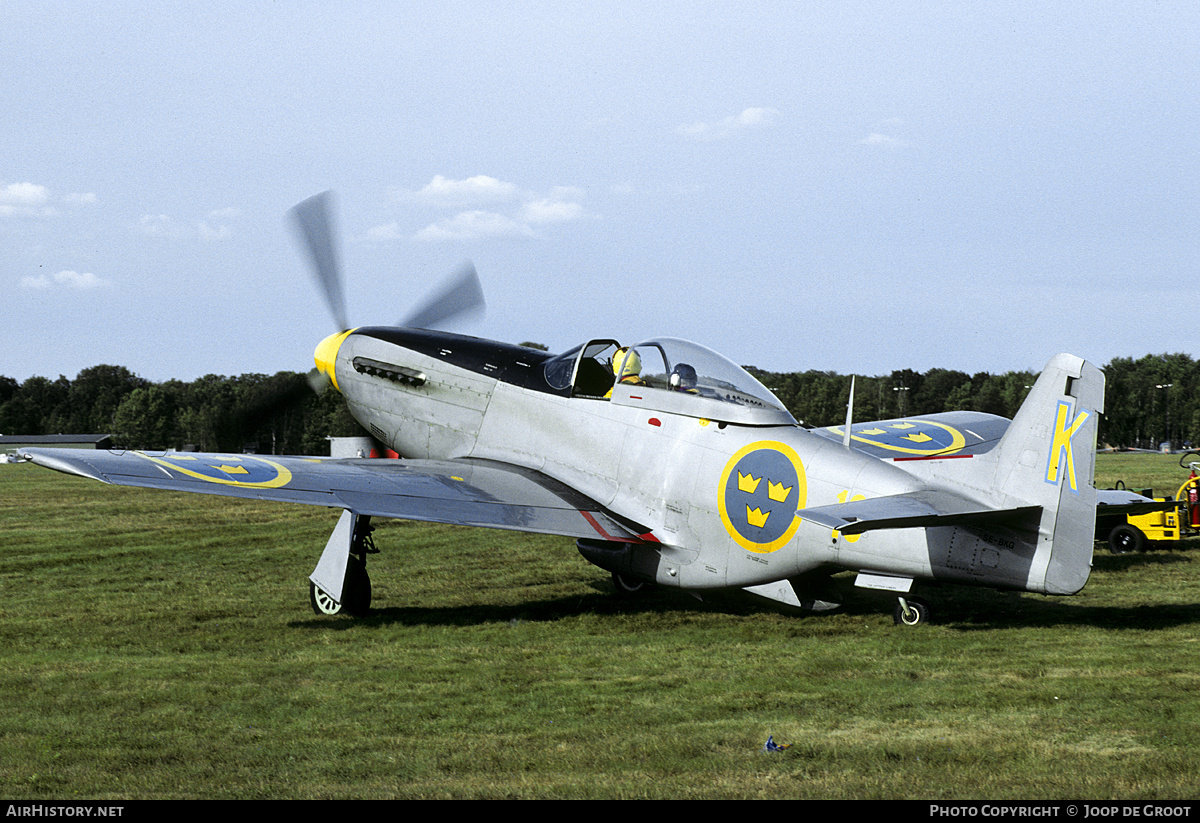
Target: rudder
(1047,457)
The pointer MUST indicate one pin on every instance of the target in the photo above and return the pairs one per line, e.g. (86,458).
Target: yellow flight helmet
(626,363)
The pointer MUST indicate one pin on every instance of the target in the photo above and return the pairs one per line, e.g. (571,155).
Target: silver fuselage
(715,498)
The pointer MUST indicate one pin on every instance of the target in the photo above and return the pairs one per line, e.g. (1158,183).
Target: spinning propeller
(459,295)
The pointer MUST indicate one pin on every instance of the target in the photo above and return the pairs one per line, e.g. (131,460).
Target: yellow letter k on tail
(1060,447)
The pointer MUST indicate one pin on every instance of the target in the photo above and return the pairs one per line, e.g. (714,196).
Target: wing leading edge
(462,492)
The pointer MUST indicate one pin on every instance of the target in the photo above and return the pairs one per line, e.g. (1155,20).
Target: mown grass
(1138,471)
(156,645)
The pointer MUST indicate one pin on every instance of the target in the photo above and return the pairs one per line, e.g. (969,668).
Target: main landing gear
(356,593)
(340,584)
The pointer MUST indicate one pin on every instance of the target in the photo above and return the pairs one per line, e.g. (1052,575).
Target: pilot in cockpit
(683,378)
(627,368)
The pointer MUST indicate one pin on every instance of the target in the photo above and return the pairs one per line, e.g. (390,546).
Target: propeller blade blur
(318,381)
(315,230)
(460,295)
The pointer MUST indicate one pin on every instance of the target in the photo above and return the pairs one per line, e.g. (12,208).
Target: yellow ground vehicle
(1137,533)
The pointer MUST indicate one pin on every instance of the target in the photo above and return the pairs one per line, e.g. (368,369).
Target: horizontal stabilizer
(921,509)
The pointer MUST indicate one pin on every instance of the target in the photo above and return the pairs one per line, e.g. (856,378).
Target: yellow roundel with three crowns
(761,488)
(248,471)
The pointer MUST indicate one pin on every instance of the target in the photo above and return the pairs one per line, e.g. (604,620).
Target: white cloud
(751,118)
(158,225)
(25,200)
(24,194)
(42,281)
(388,231)
(35,200)
(215,226)
(479,190)
(81,280)
(550,211)
(882,140)
(487,208)
(68,279)
(211,232)
(475,225)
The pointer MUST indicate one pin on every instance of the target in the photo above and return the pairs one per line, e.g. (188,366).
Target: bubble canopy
(670,375)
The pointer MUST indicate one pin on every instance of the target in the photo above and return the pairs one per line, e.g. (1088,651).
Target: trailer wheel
(1125,539)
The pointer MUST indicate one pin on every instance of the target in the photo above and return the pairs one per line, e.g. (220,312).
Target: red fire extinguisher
(1193,501)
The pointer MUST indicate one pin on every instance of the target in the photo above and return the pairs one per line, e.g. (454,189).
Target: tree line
(1148,401)
(277,414)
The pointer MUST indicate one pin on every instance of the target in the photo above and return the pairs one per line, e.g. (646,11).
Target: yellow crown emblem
(748,484)
(777,492)
(756,517)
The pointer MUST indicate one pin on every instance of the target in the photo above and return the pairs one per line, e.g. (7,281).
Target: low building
(363,446)
(12,443)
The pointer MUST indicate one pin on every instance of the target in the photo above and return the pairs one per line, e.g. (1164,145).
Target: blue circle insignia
(761,488)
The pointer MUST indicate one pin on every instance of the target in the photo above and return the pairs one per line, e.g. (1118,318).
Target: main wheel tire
(356,596)
(629,586)
(1125,539)
(916,615)
(321,602)
(358,593)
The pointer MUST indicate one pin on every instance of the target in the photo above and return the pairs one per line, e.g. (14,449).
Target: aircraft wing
(921,509)
(924,436)
(465,492)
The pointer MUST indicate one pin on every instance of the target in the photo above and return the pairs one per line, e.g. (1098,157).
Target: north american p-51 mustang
(669,465)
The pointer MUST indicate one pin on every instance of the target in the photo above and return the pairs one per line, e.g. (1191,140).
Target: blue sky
(854,187)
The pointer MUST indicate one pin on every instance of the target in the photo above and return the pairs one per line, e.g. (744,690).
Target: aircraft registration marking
(760,490)
(229,470)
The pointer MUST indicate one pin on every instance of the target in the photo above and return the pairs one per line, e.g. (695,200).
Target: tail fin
(1047,458)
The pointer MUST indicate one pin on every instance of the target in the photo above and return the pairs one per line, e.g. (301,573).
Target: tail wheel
(911,612)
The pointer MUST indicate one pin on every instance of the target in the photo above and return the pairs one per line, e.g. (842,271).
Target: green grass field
(156,645)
